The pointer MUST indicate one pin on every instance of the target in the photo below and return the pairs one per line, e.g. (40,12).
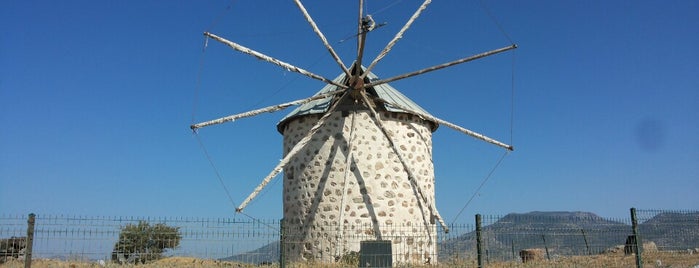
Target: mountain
(672,230)
(561,232)
(266,254)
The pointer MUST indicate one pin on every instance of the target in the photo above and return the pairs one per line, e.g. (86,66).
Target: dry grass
(172,262)
(650,259)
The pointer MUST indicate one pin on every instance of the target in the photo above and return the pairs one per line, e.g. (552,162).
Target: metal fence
(551,237)
(557,234)
(94,238)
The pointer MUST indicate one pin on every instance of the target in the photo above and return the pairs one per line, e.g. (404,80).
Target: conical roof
(384,91)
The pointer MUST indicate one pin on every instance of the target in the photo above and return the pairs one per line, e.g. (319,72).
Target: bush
(144,243)
(351,258)
(12,248)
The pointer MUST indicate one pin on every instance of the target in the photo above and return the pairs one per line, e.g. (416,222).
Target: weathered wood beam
(322,38)
(411,175)
(361,40)
(268,109)
(441,66)
(269,59)
(360,48)
(398,36)
(297,148)
(450,125)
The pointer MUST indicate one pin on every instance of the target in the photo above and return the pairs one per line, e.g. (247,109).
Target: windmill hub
(356,83)
(356,88)
(368,23)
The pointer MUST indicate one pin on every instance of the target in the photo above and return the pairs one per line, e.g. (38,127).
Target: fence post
(639,244)
(281,244)
(587,245)
(479,240)
(546,247)
(30,241)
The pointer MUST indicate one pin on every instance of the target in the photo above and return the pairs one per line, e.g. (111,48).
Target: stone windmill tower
(357,159)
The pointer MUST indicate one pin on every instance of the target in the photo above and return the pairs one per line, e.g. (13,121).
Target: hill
(561,232)
(672,230)
(266,254)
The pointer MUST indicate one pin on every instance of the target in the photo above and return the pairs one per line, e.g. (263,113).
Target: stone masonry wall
(328,209)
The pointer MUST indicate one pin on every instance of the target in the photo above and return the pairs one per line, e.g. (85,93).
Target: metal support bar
(546,247)
(479,240)
(587,245)
(282,244)
(637,241)
(29,241)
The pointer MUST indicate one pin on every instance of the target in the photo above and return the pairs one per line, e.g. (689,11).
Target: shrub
(351,258)
(144,243)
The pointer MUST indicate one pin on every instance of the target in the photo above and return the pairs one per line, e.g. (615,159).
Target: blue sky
(96,98)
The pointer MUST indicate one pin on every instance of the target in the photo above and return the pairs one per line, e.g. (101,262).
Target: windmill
(357,157)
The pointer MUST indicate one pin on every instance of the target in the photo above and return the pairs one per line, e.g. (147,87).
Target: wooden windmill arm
(274,61)
(451,125)
(268,109)
(411,176)
(395,39)
(440,66)
(297,148)
(322,38)
(360,39)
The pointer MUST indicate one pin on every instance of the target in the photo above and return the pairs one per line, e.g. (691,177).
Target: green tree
(144,243)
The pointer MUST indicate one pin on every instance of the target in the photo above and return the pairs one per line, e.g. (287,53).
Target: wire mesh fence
(670,230)
(547,239)
(554,234)
(96,238)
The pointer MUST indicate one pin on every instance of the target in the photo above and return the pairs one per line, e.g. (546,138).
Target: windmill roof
(384,91)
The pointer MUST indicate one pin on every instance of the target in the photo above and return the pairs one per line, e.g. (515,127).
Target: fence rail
(549,236)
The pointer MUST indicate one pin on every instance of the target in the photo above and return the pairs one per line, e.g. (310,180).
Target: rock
(630,245)
(531,254)
(12,248)
(650,247)
(614,250)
